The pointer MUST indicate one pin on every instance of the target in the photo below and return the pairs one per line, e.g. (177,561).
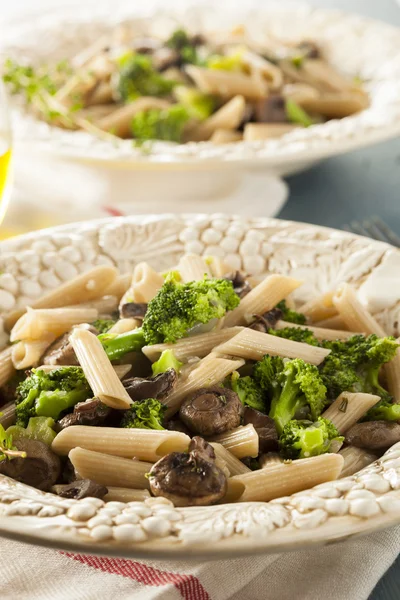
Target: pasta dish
(200,385)
(221,87)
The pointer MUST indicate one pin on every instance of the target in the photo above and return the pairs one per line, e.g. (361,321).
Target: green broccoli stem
(284,405)
(372,384)
(116,346)
(53,403)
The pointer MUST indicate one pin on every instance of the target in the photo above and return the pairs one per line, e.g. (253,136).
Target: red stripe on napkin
(114,212)
(189,586)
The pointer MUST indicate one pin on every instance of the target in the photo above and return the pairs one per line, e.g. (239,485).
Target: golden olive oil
(5,164)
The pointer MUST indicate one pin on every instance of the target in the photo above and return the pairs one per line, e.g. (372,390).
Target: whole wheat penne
(270,459)
(320,332)
(40,323)
(234,465)
(7,414)
(122,370)
(144,285)
(262,298)
(241,441)
(336,106)
(193,268)
(119,286)
(109,470)
(253,345)
(227,83)
(196,345)
(348,408)
(28,353)
(229,116)
(143,444)
(319,308)
(87,286)
(392,372)
(104,305)
(266,131)
(335,322)
(119,122)
(210,370)
(283,480)
(217,266)
(124,325)
(99,372)
(120,494)
(7,369)
(355,459)
(226,136)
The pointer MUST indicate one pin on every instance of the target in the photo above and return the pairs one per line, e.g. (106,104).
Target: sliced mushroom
(189,479)
(145,45)
(154,387)
(177,425)
(267,321)
(40,469)
(92,412)
(265,427)
(212,410)
(132,310)
(83,488)
(271,109)
(374,435)
(61,351)
(164,58)
(240,284)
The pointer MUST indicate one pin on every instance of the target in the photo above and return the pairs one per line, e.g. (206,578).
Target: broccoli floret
(296,334)
(39,428)
(249,392)
(7,450)
(49,394)
(291,385)
(291,315)
(160,124)
(384,410)
(146,414)
(138,77)
(103,325)
(297,115)
(229,62)
(199,106)
(301,439)
(178,307)
(184,44)
(166,361)
(117,345)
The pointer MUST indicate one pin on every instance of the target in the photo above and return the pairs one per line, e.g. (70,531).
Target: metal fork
(374,228)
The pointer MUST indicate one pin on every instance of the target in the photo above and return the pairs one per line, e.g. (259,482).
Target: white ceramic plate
(358,46)
(331,512)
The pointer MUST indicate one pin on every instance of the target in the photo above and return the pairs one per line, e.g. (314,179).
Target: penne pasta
(253,345)
(39,324)
(208,372)
(120,494)
(7,369)
(124,325)
(143,444)
(122,370)
(335,322)
(28,353)
(241,442)
(193,268)
(228,117)
(104,305)
(233,464)
(285,479)
(320,308)
(261,299)
(227,83)
(392,372)
(7,415)
(84,288)
(348,408)
(320,332)
(144,285)
(119,121)
(197,345)
(217,266)
(355,459)
(119,286)
(99,372)
(270,459)
(225,136)
(110,470)
(266,131)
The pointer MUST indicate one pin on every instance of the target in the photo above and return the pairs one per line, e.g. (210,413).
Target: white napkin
(348,571)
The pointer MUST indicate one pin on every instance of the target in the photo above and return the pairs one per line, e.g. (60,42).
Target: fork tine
(389,235)
(358,228)
(374,231)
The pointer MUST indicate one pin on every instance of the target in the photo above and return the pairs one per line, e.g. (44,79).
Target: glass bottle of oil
(5,156)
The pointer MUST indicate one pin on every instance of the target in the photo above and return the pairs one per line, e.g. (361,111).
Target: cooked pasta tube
(7,414)
(193,268)
(262,298)
(229,116)
(28,353)
(335,322)
(253,345)
(217,266)
(144,285)
(37,324)
(348,408)
(143,444)
(84,288)
(7,369)
(122,370)
(227,83)
(124,325)
(392,372)
(266,131)
(355,459)
(120,285)
(241,442)
(197,345)
(120,494)
(319,308)
(234,465)
(283,480)
(336,106)
(270,459)
(109,470)
(119,121)
(210,370)
(320,333)
(99,372)
(104,305)
(226,136)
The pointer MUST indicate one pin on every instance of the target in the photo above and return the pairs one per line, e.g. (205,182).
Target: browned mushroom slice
(175,424)
(40,469)
(132,310)
(82,488)
(265,427)
(374,435)
(61,351)
(164,58)
(212,410)
(267,321)
(189,479)
(154,387)
(271,109)
(240,284)
(92,412)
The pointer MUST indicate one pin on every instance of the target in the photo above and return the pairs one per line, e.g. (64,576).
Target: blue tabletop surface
(353,187)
